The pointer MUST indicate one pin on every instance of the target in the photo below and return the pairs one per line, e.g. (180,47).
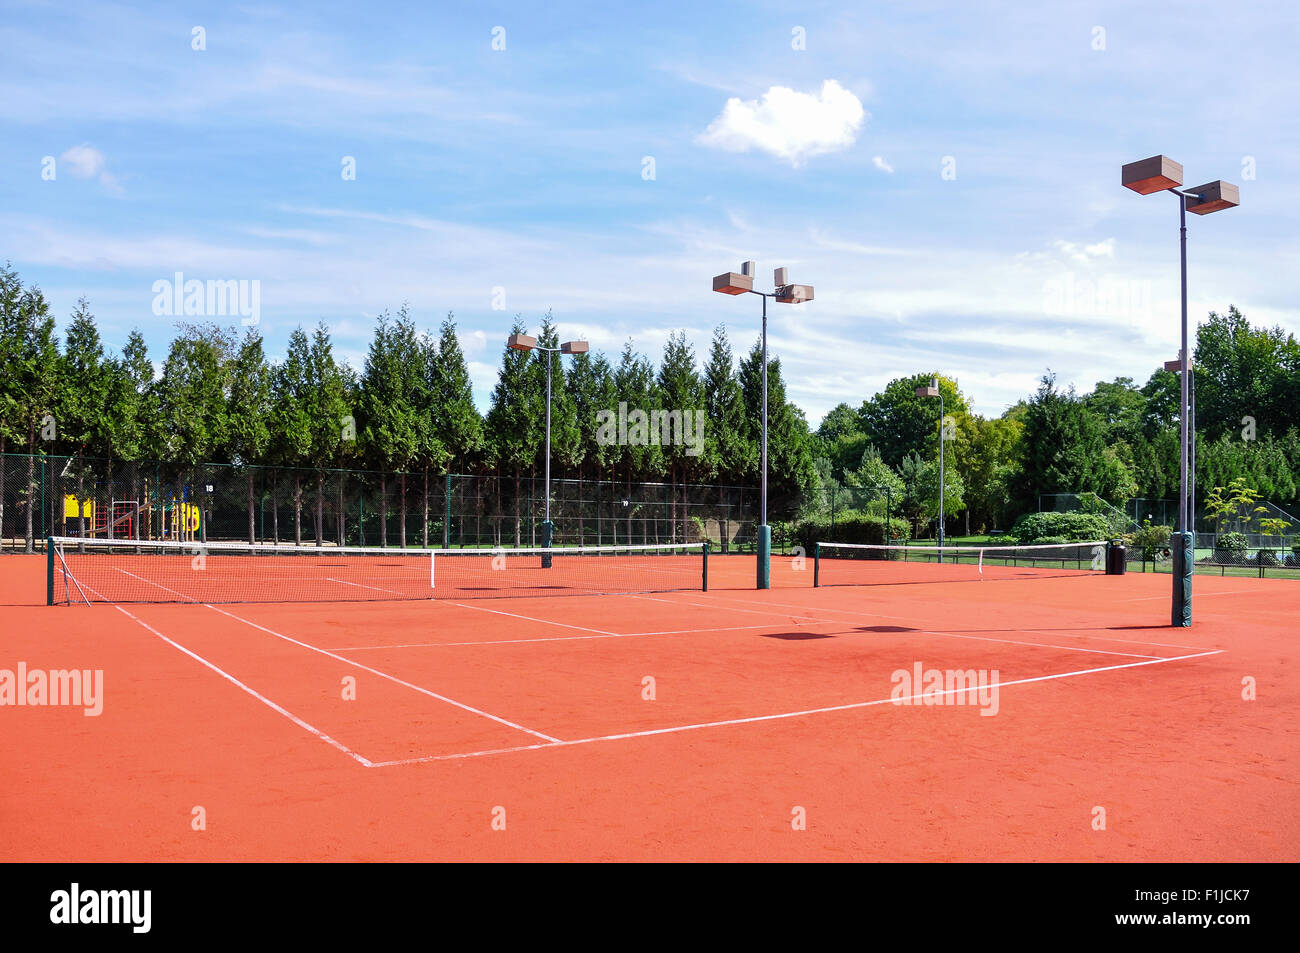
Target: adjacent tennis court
(991,705)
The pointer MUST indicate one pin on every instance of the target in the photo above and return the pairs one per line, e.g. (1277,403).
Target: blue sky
(523,169)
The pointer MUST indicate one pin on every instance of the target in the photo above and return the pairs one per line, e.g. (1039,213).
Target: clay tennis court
(769,708)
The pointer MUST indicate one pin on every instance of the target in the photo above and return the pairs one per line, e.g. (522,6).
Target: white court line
(951,635)
(513,615)
(260,697)
(788,714)
(1199,595)
(150,582)
(360,586)
(391,678)
(561,638)
(859,614)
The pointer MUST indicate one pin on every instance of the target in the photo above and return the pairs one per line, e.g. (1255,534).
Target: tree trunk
(297,508)
(252,523)
(383,508)
(342,515)
(275,507)
(320,510)
(582,510)
(402,508)
(2,496)
(424,531)
(178,511)
(135,497)
(518,527)
(31,487)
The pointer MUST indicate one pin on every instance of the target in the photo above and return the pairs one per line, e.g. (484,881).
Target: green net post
(1184,557)
(817,564)
(548,528)
(705,569)
(49,570)
(764,574)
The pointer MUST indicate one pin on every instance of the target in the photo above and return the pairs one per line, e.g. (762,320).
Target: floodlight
(1155,174)
(1213,197)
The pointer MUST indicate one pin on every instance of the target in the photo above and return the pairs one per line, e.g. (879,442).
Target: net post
(817,563)
(49,570)
(705,569)
(432,569)
(548,529)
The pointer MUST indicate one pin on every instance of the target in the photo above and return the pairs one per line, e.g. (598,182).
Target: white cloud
(1086,253)
(87,162)
(791,126)
(880,163)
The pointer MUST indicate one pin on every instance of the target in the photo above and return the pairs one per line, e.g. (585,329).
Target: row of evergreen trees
(217,398)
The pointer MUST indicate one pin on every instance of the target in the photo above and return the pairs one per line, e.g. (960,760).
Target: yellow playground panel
(73,508)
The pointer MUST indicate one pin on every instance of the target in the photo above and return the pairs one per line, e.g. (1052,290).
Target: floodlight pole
(934,390)
(942,486)
(1159,173)
(743,283)
(1183,384)
(521,342)
(762,484)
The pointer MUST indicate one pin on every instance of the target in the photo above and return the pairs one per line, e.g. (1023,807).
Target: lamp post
(1162,174)
(524,342)
(1176,367)
(730,283)
(933,391)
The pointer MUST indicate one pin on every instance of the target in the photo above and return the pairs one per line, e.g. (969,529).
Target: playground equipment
(178,520)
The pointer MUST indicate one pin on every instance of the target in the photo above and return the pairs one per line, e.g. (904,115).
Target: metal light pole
(730,283)
(1176,367)
(934,391)
(524,342)
(1162,174)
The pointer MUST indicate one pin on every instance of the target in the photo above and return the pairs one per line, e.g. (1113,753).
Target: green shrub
(1232,546)
(853,528)
(1067,527)
(1002,541)
(1269,558)
(1149,540)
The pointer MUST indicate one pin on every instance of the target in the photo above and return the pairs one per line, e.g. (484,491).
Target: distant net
(862,564)
(127,571)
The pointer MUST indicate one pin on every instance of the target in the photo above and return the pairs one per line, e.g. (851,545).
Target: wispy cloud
(87,162)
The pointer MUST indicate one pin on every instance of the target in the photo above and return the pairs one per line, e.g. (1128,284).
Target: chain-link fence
(1226,559)
(69,496)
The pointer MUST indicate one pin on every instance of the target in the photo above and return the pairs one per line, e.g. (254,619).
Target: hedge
(1072,527)
(855,528)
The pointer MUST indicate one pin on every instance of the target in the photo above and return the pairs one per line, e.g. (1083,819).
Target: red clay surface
(535,706)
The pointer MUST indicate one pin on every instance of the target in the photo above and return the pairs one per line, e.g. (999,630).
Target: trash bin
(1116,559)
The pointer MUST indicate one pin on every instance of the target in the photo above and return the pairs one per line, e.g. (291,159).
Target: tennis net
(123,571)
(862,564)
